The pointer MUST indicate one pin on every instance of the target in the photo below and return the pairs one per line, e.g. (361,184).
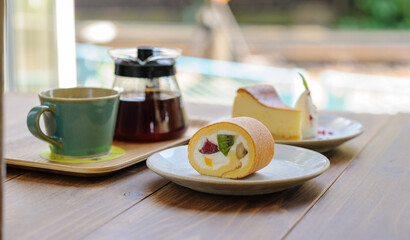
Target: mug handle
(33,124)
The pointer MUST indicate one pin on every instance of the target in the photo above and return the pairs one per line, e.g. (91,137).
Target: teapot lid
(144,62)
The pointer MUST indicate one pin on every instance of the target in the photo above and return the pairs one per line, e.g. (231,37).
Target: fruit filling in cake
(233,148)
(220,149)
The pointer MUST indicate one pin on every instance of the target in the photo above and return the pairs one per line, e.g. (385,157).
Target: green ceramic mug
(79,122)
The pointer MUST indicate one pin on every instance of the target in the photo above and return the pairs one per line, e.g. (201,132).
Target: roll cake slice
(234,148)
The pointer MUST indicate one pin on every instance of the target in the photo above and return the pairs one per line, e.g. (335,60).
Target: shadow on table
(175,196)
(60,179)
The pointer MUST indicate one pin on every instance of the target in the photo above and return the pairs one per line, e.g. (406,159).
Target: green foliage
(378,14)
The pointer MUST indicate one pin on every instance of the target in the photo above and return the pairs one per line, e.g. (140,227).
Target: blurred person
(218,36)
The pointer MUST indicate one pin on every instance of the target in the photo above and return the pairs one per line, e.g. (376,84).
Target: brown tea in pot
(150,116)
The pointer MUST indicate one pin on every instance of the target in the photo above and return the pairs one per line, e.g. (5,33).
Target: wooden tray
(22,150)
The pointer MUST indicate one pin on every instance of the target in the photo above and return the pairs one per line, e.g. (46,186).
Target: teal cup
(79,122)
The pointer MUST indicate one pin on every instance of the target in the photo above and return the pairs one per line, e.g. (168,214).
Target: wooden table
(365,194)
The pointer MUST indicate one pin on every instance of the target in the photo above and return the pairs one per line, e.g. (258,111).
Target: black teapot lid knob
(144,52)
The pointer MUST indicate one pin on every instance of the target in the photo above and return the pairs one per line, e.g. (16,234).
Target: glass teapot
(150,106)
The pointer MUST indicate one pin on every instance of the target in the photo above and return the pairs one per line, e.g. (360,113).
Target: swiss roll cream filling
(218,159)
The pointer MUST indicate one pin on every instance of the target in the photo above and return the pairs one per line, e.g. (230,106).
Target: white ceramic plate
(334,131)
(291,166)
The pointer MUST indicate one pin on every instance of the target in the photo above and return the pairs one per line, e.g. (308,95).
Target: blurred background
(356,53)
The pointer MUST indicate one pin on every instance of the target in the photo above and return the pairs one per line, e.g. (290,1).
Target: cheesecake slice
(232,149)
(262,102)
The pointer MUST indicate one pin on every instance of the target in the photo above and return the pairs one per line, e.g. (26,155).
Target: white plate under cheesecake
(336,130)
(291,166)
(333,131)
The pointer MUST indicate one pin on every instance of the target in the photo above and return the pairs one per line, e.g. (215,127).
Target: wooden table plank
(371,200)
(50,206)
(175,212)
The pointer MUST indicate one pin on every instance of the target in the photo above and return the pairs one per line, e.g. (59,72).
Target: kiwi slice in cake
(225,143)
